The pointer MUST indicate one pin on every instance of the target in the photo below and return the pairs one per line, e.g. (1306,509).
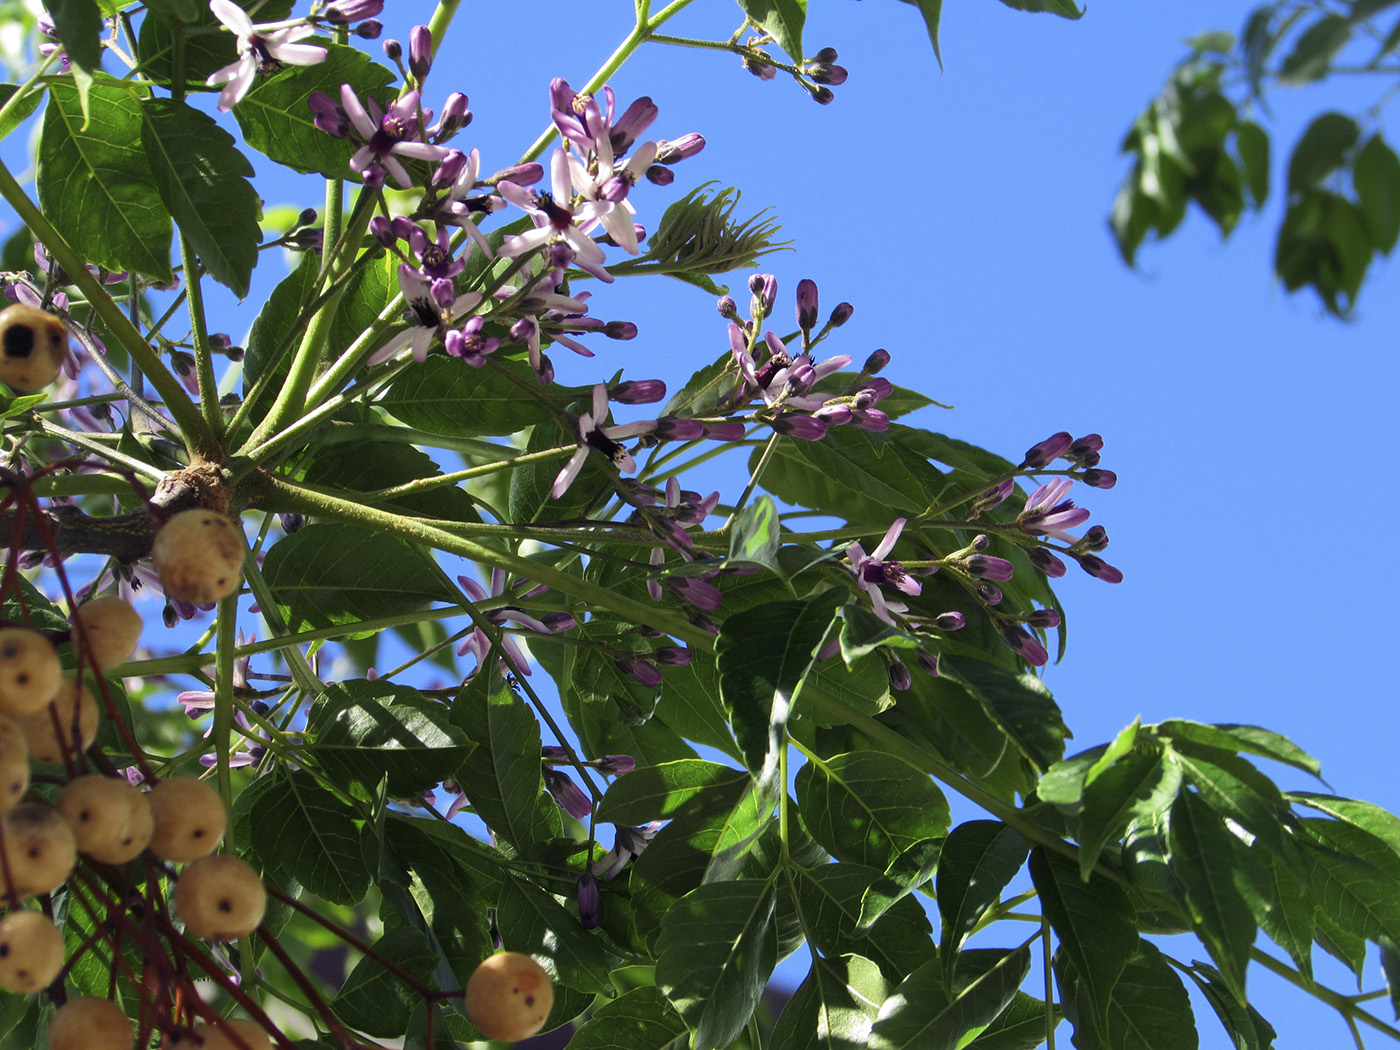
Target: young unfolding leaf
(715,953)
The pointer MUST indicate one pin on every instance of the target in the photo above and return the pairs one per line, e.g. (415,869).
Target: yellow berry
(73,713)
(110,817)
(14,764)
(189,819)
(31,951)
(220,898)
(39,849)
(509,996)
(199,556)
(33,344)
(221,1036)
(29,671)
(109,628)
(87,1023)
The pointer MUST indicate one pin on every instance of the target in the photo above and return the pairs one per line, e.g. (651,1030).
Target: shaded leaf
(756,536)
(1321,150)
(533,922)
(1311,56)
(1149,1009)
(1245,1025)
(925,1012)
(1021,1026)
(372,999)
(449,397)
(1139,786)
(833,1008)
(1251,739)
(641,1019)
(832,899)
(1353,875)
(661,792)
(78,24)
(1376,176)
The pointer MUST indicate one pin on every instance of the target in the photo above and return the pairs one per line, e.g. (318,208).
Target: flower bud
(660,175)
(949,621)
(1100,479)
(727,307)
(1046,562)
(1047,451)
(1096,539)
(669,152)
(590,901)
(988,567)
(795,424)
(876,362)
(646,673)
(393,50)
(638,391)
(420,51)
(569,795)
(806,304)
(900,678)
(841,314)
(1096,566)
(369,29)
(672,655)
(1044,618)
(824,73)
(615,765)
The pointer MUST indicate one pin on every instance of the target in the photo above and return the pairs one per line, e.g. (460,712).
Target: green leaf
(756,536)
(663,791)
(763,654)
(873,808)
(362,731)
(641,1018)
(1291,920)
(300,828)
(1021,1026)
(95,183)
(931,10)
(781,19)
(1063,8)
(1366,815)
(448,397)
(1020,703)
(1234,788)
(715,953)
(502,777)
(202,178)
(1311,57)
(1139,786)
(1246,1027)
(1207,861)
(1353,875)
(926,1012)
(1376,176)
(833,898)
(367,466)
(78,24)
(1321,151)
(22,110)
(1094,922)
(277,122)
(1252,142)
(854,474)
(833,1008)
(1149,1009)
(533,922)
(1250,739)
(373,1000)
(328,575)
(1324,242)
(863,632)
(977,861)
(1390,965)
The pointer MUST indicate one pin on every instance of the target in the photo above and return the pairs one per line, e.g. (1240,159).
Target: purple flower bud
(1088,444)
(727,307)
(672,655)
(806,304)
(900,678)
(841,314)
(669,152)
(824,73)
(1096,566)
(382,230)
(559,621)
(1046,562)
(455,116)
(994,497)
(1044,618)
(981,542)
(646,673)
(638,391)
(622,330)
(833,415)
(822,96)
(551,754)
(876,362)
(590,901)
(696,592)
(794,424)
(871,419)
(569,795)
(988,567)
(725,431)
(291,522)
(521,175)
(343,12)
(615,765)
(1047,451)
(826,54)
(660,175)
(452,165)
(393,50)
(1096,539)
(949,621)
(928,661)
(545,372)
(764,287)
(1020,641)
(328,115)
(369,29)
(671,429)
(1100,479)
(420,51)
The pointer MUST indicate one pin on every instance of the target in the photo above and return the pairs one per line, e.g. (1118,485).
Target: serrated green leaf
(362,731)
(1094,922)
(782,19)
(78,24)
(202,178)
(373,1000)
(300,828)
(1376,176)
(1136,787)
(833,1008)
(277,121)
(872,808)
(641,1018)
(533,922)
(1353,874)
(715,953)
(1367,815)
(756,536)
(328,575)
(1149,1009)
(95,183)
(924,1011)
(448,397)
(977,861)
(1206,861)
(502,777)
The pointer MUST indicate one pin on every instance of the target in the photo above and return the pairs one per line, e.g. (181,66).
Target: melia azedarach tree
(849,633)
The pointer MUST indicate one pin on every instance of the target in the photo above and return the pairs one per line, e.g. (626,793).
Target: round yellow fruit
(39,850)
(509,996)
(105,631)
(110,817)
(29,671)
(220,898)
(199,557)
(33,345)
(189,818)
(219,1037)
(14,764)
(87,1023)
(31,951)
(77,719)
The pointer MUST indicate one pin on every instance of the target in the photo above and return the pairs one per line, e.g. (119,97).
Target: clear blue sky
(963,214)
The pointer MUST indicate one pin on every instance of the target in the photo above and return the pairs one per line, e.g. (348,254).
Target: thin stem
(1344,1005)
(203,359)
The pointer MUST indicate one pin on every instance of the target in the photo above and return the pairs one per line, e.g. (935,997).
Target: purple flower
(557,217)
(261,49)
(570,797)
(627,845)
(696,592)
(387,137)
(434,306)
(1047,513)
(478,643)
(592,435)
(468,344)
(874,569)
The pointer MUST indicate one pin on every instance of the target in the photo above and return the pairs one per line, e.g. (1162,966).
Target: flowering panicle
(262,49)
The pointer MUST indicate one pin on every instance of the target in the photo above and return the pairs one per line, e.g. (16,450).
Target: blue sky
(963,213)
